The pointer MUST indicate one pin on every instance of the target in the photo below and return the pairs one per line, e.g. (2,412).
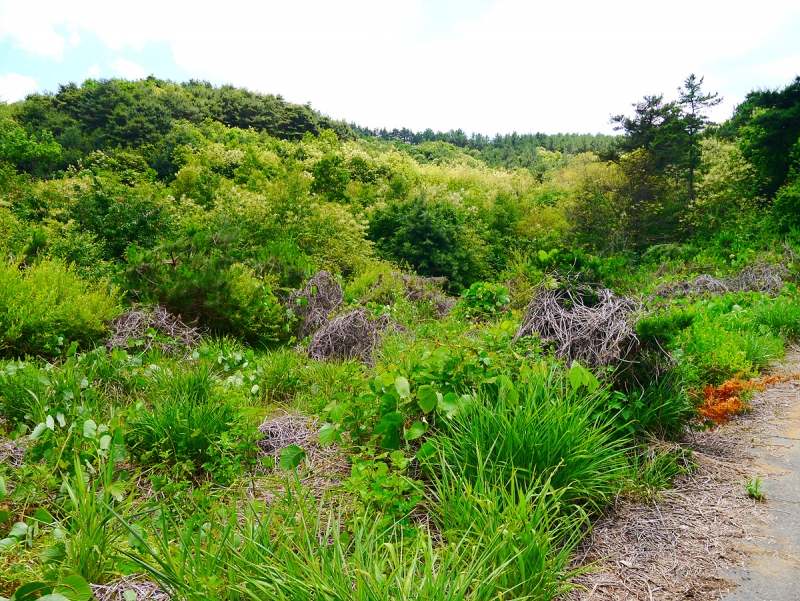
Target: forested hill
(99,115)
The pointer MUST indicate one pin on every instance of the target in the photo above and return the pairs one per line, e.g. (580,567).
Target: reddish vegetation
(723,401)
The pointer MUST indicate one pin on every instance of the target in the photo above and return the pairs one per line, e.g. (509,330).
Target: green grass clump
(546,430)
(192,427)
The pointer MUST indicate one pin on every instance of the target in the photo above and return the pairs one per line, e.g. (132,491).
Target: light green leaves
(291,457)
(580,376)
(403,388)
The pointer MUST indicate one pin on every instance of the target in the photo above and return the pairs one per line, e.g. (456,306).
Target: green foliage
(26,152)
(290,549)
(538,538)
(431,237)
(195,278)
(545,431)
(786,208)
(482,300)
(191,427)
(119,215)
(90,533)
(754,490)
(70,588)
(48,302)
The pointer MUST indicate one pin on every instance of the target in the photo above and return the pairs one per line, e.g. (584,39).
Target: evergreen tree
(693,104)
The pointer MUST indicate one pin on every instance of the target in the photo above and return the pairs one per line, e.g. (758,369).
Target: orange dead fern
(723,401)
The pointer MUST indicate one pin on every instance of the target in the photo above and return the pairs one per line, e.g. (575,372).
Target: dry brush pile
(137,326)
(594,326)
(759,277)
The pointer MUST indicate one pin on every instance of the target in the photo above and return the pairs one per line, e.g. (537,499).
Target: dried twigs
(350,336)
(136,324)
(321,295)
(599,334)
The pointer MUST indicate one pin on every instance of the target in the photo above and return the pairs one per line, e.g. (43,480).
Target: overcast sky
(487,66)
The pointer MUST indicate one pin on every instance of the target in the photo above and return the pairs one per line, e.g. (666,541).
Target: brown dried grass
(680,547)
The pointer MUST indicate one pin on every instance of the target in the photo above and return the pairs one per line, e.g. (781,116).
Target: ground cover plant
(260,354)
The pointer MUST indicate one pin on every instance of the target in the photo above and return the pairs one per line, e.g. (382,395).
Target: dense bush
(195,279)
(46,304)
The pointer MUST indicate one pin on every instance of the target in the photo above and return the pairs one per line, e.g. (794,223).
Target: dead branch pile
(313,303)
(281,431)
(428,289)
(138,324)
(12,452)
(598,334)
(760,277)
(140,585)
(349,336)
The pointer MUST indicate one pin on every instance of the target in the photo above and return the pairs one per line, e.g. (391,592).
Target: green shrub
(191,427)
(48,301)
(711,354)
(24,391)
(199,281)
(482,300)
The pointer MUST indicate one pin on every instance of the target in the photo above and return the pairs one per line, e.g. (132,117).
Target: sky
(485,66)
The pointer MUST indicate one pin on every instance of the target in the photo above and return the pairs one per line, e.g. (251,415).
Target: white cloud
(15,87)
(525,65)
(93,72)
(127,69)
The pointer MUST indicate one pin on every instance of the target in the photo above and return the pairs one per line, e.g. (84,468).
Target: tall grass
(189,423)
(550,433)
(539,532)
(297,550)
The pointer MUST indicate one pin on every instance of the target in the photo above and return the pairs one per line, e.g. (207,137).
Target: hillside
(252,352)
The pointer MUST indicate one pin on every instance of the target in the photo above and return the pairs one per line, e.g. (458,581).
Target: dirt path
(706,539)
(772,571)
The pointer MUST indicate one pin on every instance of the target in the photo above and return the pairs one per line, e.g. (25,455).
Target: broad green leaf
(390,422)
(89,429)
(576,376)
(416,430)
(5,516)
(43,516)
(447,404)
(291,457)
(116,490)
(54,554)
(402,387)
(129,595)
(19,530)
(428,449)
(426,397)
(8,543)
(328,434)
(32,591)
(50,422)
(3,489)
(338,412)
(543,255)
(54,597)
